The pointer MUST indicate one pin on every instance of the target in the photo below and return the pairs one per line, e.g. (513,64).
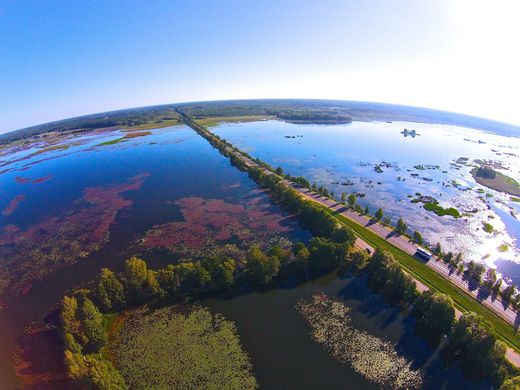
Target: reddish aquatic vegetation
(21,180)
(39,360)
(13,205)
(137,134)
(208,221)
(25,180)
(31,254)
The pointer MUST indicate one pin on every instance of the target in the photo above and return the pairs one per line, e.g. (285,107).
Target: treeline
(312,116)
(480,355)
(487,280)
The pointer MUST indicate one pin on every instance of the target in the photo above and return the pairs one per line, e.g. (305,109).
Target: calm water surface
(285,357)
(179,164)
(344,157)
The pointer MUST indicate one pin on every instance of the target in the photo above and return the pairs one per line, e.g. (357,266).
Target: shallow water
(174,163)
(343,158)
(284,356)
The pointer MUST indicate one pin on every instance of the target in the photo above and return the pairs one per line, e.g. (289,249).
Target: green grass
(488,228)
(503,248)
(441,211)
(113,142)
(433,280)
(213,121)
(515,199)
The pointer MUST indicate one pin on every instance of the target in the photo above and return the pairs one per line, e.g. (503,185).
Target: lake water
(105,198)
(284,356)
(344,158)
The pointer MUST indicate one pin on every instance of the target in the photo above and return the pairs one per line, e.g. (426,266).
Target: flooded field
(91,200)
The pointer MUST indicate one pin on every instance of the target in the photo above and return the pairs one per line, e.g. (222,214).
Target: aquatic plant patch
(30,254)
(13,205)
(375,359)
(181,348)
(213,222)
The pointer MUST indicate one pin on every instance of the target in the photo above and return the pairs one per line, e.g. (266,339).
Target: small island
(487,176)
(412,133)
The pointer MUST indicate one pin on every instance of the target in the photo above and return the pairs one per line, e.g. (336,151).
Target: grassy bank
(212,121)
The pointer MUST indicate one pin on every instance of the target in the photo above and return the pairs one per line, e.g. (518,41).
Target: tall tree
(109,291)
(435,316)
(352,200)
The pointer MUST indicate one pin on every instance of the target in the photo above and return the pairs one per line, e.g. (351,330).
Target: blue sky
(66,58)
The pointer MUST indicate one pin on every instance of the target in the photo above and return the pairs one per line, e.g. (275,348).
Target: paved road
(403,243)
(406,245)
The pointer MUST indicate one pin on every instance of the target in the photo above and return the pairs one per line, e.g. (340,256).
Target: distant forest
(299,111)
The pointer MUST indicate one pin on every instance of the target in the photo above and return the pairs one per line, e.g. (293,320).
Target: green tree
(326,255)
(92,326)
(497,286)
(261,267)
(480,355)
(71,344)
(386,276)
(352,200)
(401,226)
(343,197)
(435,316)
(344,235)
(490,278)
(458,259)
(141,284)
(69,307)
(475,270)
(379,214)
(358,260)
(225,274)
(302,255)
(448,257)
(418,238)
(511,384)
(507,292)
(367,210)
(103,375)
(109,292)
(438,249)
(283,255)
